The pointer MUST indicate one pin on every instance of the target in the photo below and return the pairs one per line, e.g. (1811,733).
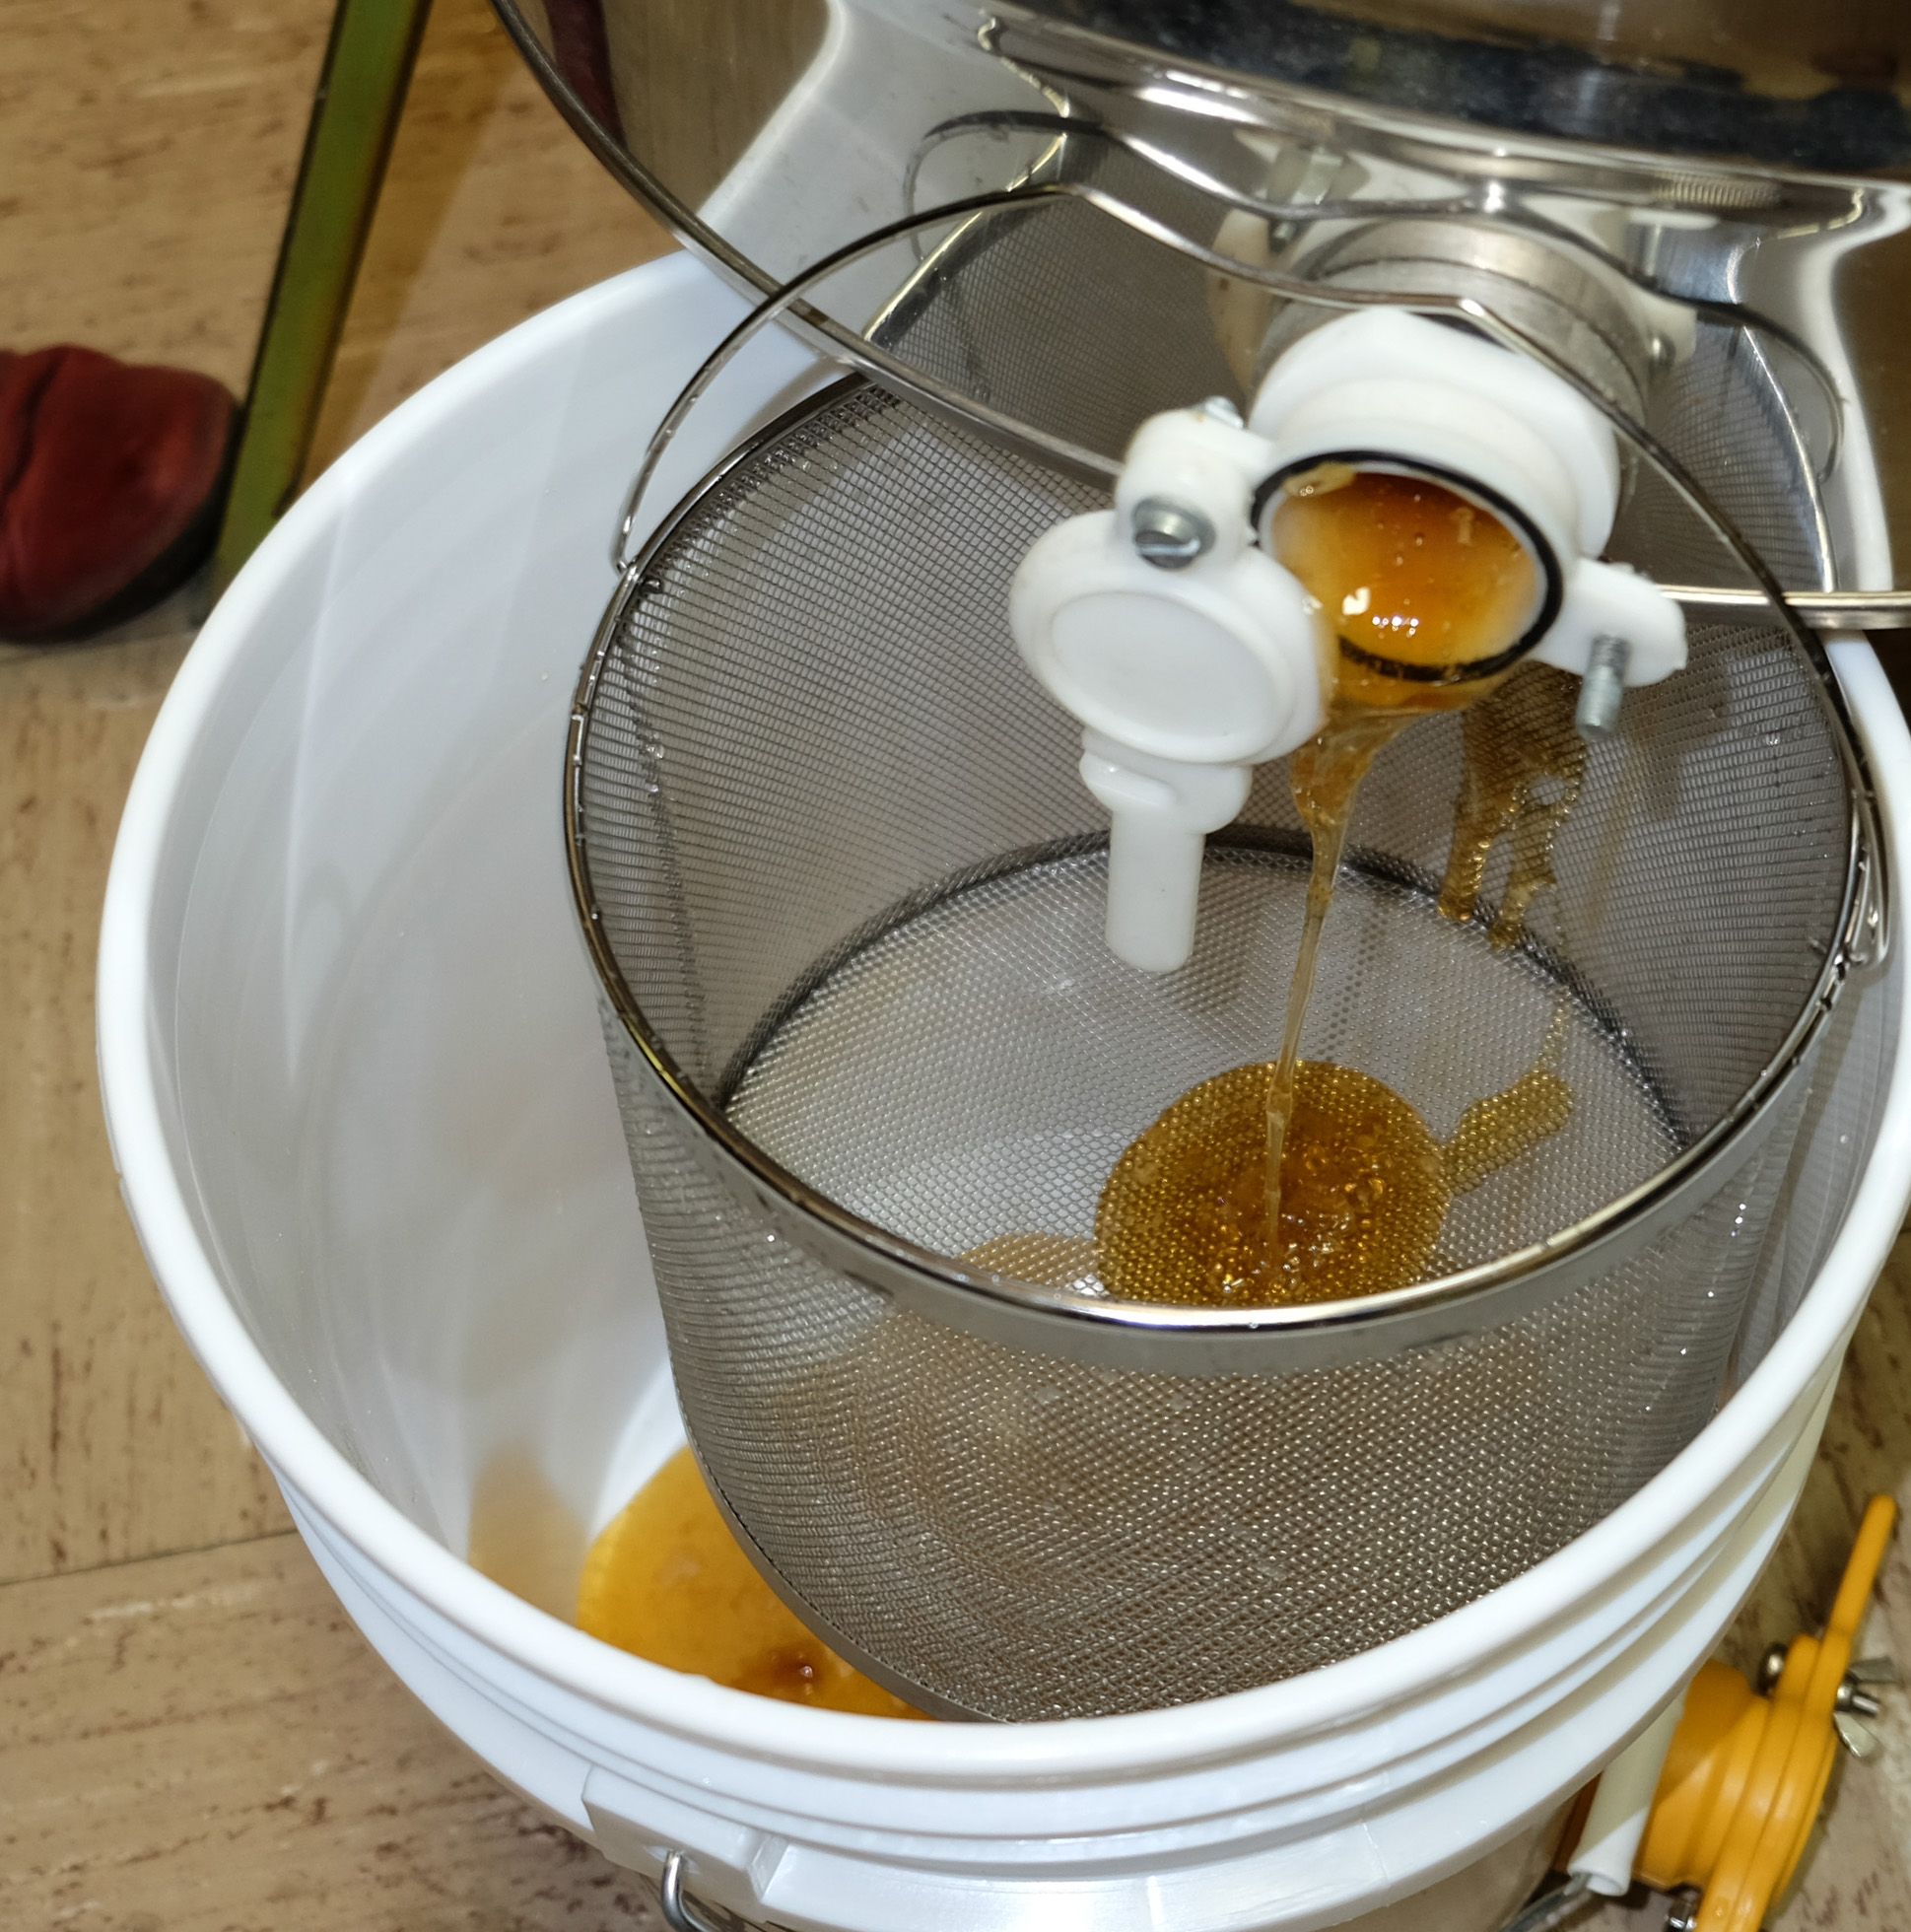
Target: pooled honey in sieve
(1496,1131)
(1365,1187)
(1184,1216)
(1303,1181)
(668,1581)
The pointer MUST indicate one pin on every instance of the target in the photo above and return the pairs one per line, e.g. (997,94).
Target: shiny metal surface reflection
(1682,197)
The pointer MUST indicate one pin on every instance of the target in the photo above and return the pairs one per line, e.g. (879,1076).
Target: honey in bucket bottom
(667,1581)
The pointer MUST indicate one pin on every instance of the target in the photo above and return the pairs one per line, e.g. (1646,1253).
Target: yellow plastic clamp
(1746,1773)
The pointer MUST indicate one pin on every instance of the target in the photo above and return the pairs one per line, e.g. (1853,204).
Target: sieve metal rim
(1159,1336)
(1372,869)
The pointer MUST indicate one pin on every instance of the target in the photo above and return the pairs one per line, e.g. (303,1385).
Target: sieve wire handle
(1868,931)
(1799,613)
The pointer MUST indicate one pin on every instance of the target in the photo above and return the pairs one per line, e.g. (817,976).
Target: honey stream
(1325,777)
(1304,1181)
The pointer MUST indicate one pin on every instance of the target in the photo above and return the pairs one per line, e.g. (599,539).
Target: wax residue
(1526,765)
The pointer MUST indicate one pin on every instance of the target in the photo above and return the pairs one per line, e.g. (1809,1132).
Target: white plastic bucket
(357,1098)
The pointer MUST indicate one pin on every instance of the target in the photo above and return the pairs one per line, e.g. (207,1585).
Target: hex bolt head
(1170,535)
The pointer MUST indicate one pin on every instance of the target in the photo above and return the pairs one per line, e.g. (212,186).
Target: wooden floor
(192,1735)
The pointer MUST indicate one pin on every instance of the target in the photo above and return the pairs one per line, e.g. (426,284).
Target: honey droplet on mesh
(1183,1217)
(1052,1261)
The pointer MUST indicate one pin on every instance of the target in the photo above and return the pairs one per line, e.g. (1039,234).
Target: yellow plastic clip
(1746,1773)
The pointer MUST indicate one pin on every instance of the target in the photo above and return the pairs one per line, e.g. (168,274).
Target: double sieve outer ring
(1145,1336)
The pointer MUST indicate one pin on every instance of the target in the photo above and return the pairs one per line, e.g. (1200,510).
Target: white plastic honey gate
(1190,655)
(356,1096)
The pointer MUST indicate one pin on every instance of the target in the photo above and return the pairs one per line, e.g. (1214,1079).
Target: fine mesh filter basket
(844,888)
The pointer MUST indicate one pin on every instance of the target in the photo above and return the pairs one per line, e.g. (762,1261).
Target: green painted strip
(354,119)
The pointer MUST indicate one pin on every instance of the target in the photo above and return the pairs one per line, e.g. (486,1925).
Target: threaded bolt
(1682,1914)
(1602,689)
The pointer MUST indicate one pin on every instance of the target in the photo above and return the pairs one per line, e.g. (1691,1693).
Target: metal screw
(1170,535)
(1602,689)
(1682,1914)
(1856,1699)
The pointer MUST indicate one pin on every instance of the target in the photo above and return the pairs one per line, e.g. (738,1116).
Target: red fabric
(102,469)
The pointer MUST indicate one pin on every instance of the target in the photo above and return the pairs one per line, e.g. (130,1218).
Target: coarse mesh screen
(885,1089)
(1022,1537)
(833,837)
(1733,426)
(991,310)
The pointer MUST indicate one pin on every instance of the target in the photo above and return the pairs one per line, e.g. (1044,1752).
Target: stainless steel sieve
(843,889)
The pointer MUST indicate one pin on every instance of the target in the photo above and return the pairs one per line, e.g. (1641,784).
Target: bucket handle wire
(1551,1908)
(681,1913)
(1883,609)
(1866,916)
